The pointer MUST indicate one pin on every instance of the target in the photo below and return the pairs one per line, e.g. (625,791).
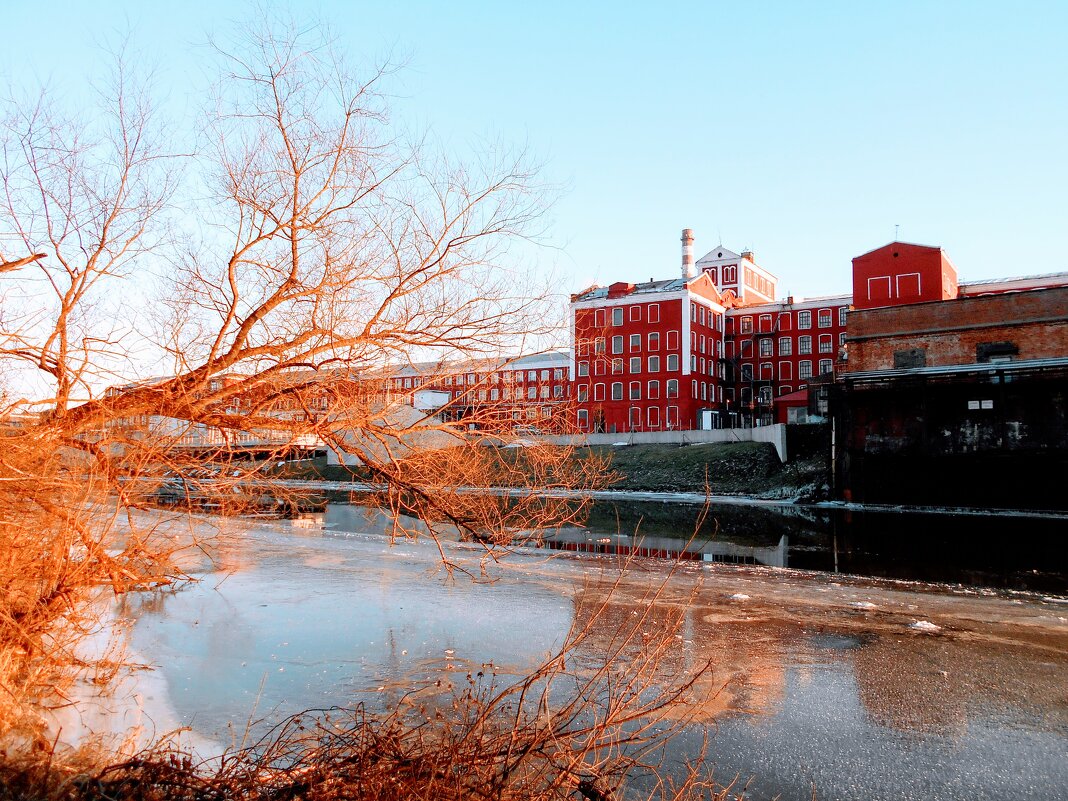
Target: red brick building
(900,273)
(775,349)
(647,357)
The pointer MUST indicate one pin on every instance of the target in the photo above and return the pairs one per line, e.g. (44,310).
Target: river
(858,687)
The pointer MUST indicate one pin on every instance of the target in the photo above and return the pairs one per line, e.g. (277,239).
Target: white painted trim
(919,283)
(686,305)
(573,348)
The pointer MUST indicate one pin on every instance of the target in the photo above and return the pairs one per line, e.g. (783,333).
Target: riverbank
(743,469)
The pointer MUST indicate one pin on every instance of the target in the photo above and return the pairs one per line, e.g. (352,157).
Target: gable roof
(720,254)
(897,244)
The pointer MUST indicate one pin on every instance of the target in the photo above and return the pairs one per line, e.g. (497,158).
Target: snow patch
(924,625)
(739,596)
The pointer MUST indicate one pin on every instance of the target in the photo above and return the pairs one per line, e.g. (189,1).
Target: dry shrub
(593,721)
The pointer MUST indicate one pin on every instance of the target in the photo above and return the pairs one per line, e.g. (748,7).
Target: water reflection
(1021,553)
(802,683)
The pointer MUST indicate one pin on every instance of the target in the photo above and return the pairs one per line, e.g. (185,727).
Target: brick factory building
(952,394)
(647,357)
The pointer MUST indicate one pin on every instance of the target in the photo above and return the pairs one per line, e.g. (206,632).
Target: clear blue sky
(802,130)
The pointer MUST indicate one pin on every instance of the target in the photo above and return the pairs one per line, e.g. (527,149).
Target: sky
(804,131)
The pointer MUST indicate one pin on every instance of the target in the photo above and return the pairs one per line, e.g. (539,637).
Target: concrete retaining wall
(775,434)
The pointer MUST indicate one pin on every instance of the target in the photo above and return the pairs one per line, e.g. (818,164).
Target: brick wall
(1034,323)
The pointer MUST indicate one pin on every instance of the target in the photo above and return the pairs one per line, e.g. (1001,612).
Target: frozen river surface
(857,688)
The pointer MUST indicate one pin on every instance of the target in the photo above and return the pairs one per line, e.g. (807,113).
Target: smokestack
(688,270)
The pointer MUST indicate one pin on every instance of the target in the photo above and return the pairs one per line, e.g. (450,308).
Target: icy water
(862,689)
(1014,551)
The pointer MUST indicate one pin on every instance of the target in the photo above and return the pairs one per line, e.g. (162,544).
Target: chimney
(688,270)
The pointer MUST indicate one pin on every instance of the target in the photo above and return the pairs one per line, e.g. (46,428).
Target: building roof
(1041,281)
(897,243)
(647,287)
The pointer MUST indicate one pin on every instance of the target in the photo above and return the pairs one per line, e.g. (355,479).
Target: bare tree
(327,250)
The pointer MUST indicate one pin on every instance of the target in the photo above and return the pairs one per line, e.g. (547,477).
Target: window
(766,371)
(494,394)
(635,390)
(786,371)
(654,341)
(583,419)
(825,318)
(617,367)
(804,344)
(635,364)
(617,390)
(765,347)
(583,393)
(842,311)
(543,393)
(654,312)
(693,312)
(701,313)
(635,313)
(532,392)
(617,344)
(583,347)
(672,362)
(784,321)
(746,349)
(825,366)
(672,340)
(765,323)
(673,388)
(730,273)
(635,343)
(598,392)
(747,372)
(635,418)
(531,376)
(701,347)
(804,369)
(617,316)
(826,343)
(841,339)
(653,390)
(544,375)
(598,345)
(654,416)
(654,364)
(785,390)
(786,346)
(747,325)
(598,318)
(804,319)
(558,391)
